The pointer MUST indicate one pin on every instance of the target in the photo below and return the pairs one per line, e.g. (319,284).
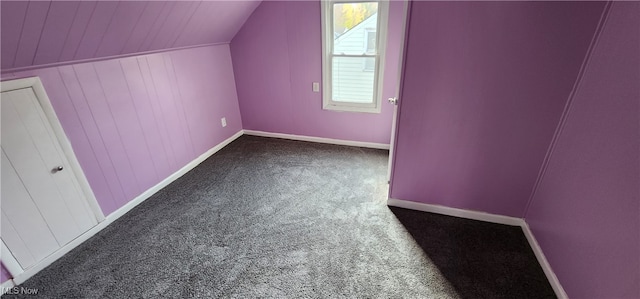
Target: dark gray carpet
(281,219)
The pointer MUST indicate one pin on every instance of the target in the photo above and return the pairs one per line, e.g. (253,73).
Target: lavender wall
(134,121)
(46,32)
(485,84)
(276,57)
(4,273)
(586,211)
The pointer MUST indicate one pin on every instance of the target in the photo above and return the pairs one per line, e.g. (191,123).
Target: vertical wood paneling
(202,31)
(130,120)
(171,42)
(120,103)
(103,118)
(142,28)
(163,85)
(97,27)
(124,19)
(46,32)
(12,18)
(143,63)
(31,31)
(144,110)
(198,104)
(93,135)
(204,104)
(73,38)
(155,28)
(171,24)
(179,104)
(195,25)
(59,21)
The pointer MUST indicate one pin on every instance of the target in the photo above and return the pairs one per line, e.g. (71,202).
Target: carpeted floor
(272,218)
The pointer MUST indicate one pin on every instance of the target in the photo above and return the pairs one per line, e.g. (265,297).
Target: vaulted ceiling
(39,33)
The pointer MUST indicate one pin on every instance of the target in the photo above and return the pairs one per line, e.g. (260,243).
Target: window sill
(346,108)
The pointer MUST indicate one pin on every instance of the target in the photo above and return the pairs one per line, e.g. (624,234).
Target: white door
(43,204)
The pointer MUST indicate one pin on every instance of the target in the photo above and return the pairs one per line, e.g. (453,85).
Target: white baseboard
(493,218)
(546,267)
(482,216)
(6,286)
(317,139)
(28,273)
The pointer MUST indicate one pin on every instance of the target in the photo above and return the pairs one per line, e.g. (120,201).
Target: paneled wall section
(45,32)
(134,121)
(586,210)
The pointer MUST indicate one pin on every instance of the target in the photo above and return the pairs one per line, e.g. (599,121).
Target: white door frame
(398,101)
(36,85)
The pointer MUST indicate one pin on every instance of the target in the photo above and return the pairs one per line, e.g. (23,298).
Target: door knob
(56,169)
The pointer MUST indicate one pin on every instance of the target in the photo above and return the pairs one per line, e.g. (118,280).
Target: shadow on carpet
(479,259)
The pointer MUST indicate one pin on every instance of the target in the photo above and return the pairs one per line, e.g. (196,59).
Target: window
(354,35)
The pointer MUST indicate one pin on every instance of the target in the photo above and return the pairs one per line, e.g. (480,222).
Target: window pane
(352,23)
(352,82)
(369,64)
(371,42)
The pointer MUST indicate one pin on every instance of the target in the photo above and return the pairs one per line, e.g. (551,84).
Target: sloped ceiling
(45,32)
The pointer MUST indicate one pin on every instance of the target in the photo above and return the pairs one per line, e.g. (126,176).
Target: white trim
(36,85)
(546,267)
(493,218)
(61,63)
(438,209)
(394,121)
(392,143)
(6,286)
(28,273)
(317,139)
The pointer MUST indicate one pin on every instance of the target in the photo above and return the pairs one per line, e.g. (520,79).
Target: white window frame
(327,58)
